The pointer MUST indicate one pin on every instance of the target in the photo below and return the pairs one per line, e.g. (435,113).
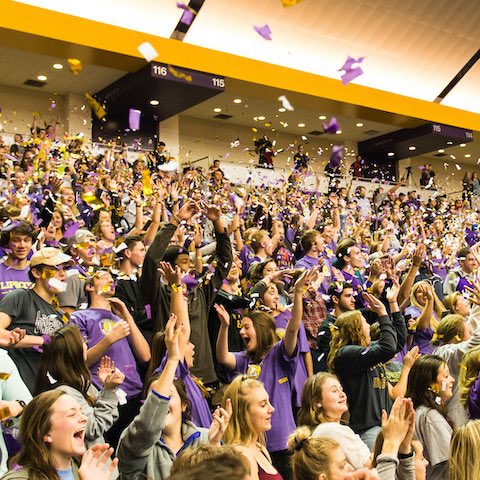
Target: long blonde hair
(347,331)
(469,369)
(240,430)
(450,330)
(311,413)
(311,457)
(438,306)
(450,301)
(464,462)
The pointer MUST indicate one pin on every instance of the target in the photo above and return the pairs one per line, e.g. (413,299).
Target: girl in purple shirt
(272,361)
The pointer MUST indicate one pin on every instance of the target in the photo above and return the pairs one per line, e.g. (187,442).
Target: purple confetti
(332,126)
(348,65)
(71,229)
(134,119)
(350,72)
(264,31)
(190,282)
(337,155)
(188,16)
(347,77)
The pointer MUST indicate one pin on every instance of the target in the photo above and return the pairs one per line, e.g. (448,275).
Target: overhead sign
(184,75)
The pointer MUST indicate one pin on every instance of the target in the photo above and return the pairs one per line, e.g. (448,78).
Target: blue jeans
(370,436)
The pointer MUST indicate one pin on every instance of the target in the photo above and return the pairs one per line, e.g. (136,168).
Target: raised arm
(357,358)
(293,326)
(224,256)
(178,304)
(409,280)
(142,434)
(423,321)
(139,344)
(224,357)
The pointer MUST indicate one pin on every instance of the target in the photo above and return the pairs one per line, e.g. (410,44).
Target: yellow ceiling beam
(67,28)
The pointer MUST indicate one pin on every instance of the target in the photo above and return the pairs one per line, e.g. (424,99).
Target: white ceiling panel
(412,47)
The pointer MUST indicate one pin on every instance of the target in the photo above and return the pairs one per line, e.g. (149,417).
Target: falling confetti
(264,31)
(290,3)
(97,109)
(75,65)
(285,103)
(332,127)
(176,73)
(350,72)
(148,51)
(337,156)
(134,119)
(188,13)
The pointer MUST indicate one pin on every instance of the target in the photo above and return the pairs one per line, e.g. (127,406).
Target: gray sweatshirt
(141,451)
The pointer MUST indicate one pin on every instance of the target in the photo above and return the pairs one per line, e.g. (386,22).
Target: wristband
(403,456)
(175,287)
(23,405)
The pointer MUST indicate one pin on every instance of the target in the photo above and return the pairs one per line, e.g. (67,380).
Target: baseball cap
(49,256)
(81,235)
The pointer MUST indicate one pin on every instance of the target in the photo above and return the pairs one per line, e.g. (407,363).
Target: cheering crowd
(165,323)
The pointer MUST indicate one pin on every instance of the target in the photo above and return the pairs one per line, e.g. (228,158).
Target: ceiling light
(322,117)
(390,154)
(441,150)
(412,147)
(154,102)
(42,78)
(467,155)
(57,66)
(281,109)
(261,117)
(217,110)
(449,143)
(463,144)
(301,125)
(237,100)
(338,132)
(359,124)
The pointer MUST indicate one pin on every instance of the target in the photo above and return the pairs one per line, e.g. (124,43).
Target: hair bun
(297,439)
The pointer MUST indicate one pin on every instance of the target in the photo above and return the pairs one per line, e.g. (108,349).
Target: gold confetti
(4,376)
(178,74)
(75,65)
(97,109)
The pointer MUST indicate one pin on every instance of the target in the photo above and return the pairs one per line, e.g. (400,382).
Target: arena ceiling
(411,48)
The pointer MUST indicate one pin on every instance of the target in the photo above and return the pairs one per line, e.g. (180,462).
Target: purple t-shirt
(421,338)
(358,288)
(473,404)
(94,324)
(201,414)
(277,373)
(11,279)
(247,257)
(301,375)
(309,262)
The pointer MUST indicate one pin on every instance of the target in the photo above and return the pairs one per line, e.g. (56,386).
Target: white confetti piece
(148,51)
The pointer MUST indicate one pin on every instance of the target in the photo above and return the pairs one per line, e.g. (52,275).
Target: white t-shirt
(353,447)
